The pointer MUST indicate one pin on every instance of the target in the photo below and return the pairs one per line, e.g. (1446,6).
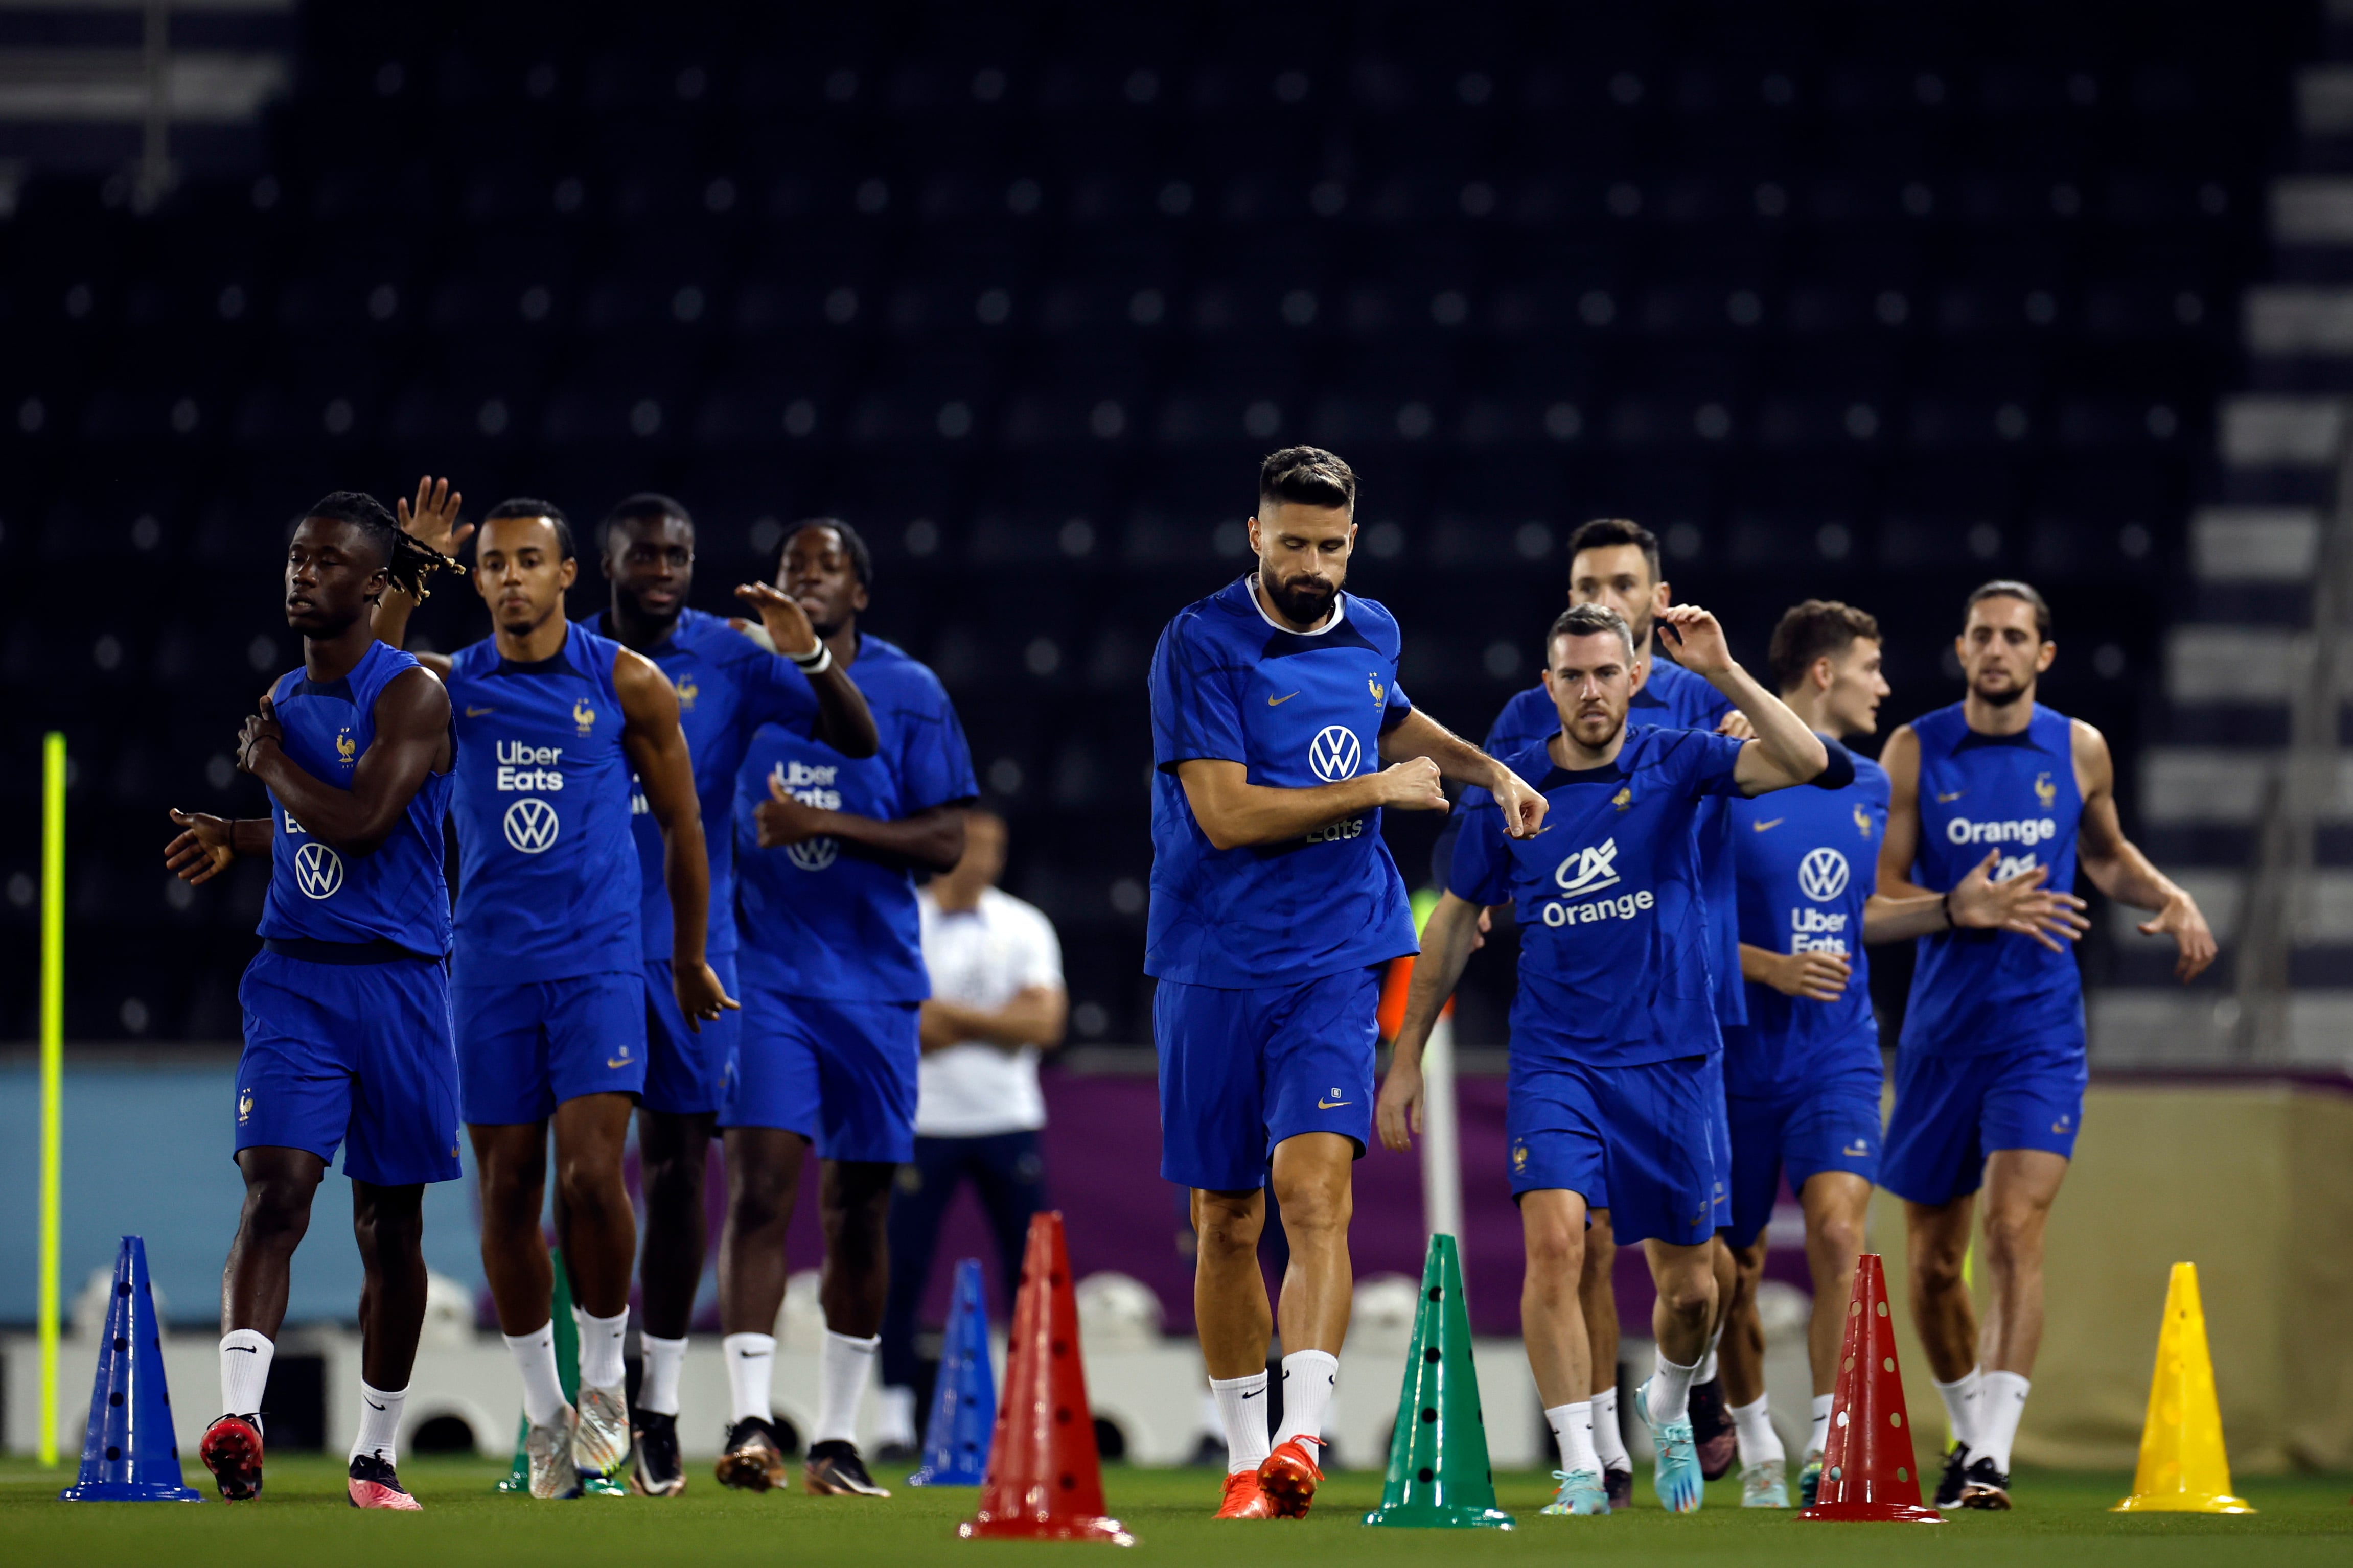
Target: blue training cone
(130,1454)
(964,1401)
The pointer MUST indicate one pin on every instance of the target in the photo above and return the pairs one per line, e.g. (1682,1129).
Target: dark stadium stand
(1863,300)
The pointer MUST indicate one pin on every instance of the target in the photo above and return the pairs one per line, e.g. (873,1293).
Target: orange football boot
(1289,1478)
(1245,1499)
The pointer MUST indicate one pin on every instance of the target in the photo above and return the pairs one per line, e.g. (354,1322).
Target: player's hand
(433,518)
(1412,786)
(2180,920)
(1698,641)
(1808,976)
(201,850)
(783,820)
(781,616)
(1398,1111)
(1735,726)
(1486,923)
(1524,808)
(2025,903)
(260,729)
(700,997)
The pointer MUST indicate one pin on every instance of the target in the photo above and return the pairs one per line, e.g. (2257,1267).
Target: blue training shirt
(547,876)
(1297,711)
(728,686)
(1671,699)
(1808,861)
(818,919)
(1613,953)
(316,893)
(1977,992)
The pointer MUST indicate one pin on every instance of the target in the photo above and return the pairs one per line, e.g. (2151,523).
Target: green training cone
(567,1374)
(1439,1477)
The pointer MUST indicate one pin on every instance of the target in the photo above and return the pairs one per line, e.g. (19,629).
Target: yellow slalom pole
(53,1056)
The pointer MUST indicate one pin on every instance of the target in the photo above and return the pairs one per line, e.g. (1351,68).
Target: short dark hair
(1607,533)
(2011,588)
(1307,475)
(861,560)
(1585,621)
(645,503)
(530,506)
(408,560)
(1815,629)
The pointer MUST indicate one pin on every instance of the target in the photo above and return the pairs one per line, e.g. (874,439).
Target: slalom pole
(53,1052)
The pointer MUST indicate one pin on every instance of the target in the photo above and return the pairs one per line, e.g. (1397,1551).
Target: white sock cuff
(851,1341)
(1321,1361)
(1255,1380)
(248,1339)
(758,1345)
(1755,1408)
(544,1332)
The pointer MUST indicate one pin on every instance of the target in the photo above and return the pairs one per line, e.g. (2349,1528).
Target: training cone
(2183,1469)
(963,1400)
(517,1480)
(1870,1473)
(129,1453)
(1045,1479)
(1439,1477)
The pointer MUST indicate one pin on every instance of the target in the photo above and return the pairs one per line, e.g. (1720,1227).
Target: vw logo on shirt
(813,854)
(1821,875)
(532,825)
(1335,753)
(317,871)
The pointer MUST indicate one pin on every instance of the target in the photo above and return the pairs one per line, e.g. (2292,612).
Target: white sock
(657,1388)
(1241,1412)
(1707,1370)
(600,1348)
(1963,1400)
(245,1357)
(1998,1413)
(897,1416)
(1308,1379)
(1608,1440)
(1670,1391)
(1572,1431)
(379,1421)
(751,1361)
(842,1369)
(1760,1444)
(542,1385)
(1817,1435)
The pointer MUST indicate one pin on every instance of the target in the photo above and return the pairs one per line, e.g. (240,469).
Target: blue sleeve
(1394,709)
(1195,700)
(774,692)
(935,760)
(1481,869)
(1700,763)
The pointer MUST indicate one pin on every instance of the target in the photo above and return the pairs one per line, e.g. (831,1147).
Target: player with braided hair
(347,1037)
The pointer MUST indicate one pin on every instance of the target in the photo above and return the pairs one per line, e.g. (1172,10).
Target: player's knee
(1556,1252)
(2013,1238)
(1689,1293)
(1936,1271)
(277,1213)
(1224,1230)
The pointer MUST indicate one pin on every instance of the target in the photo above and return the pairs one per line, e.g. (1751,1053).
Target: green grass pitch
(2062,1520)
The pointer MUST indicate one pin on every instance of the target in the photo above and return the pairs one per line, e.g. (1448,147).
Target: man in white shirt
(997,1004)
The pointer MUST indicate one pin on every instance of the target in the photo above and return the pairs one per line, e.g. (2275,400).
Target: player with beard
(347,1005)
(829,846)
(548,996)
(727,687)
(1990,1072)
(1273,897)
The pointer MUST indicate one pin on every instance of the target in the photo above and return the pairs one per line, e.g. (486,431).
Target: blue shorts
(686,1071)
(353,1054)
(1719,1144)
(1637,1141)
(525,1048)
(1952,1112)
(1829,1123)
(840,1074)
(1241,1070)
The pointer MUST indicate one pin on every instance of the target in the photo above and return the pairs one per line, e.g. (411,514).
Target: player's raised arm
(1446,943)
(843,719)
(1420,735)
(432,522)
(658,754)
(1785,752)
(2118,868)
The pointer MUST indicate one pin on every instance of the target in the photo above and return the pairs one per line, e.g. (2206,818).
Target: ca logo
(1335,753)
(1588,870)
(531,824)
(317,871)
(813,854)
(1821,875)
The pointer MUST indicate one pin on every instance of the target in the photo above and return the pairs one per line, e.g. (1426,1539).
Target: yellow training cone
(2182,1466)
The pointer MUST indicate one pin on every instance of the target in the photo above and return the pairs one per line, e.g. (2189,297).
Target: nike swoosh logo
(1333,1104)
(1253,1393)
(247,1349)
(749,1355)
(1944,799)
(371,1404)
(1761,826)
(1279,701)
(616,1061)
(474,712)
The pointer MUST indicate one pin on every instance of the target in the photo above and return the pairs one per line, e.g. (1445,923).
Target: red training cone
(1869,1470)
(1045,1479)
